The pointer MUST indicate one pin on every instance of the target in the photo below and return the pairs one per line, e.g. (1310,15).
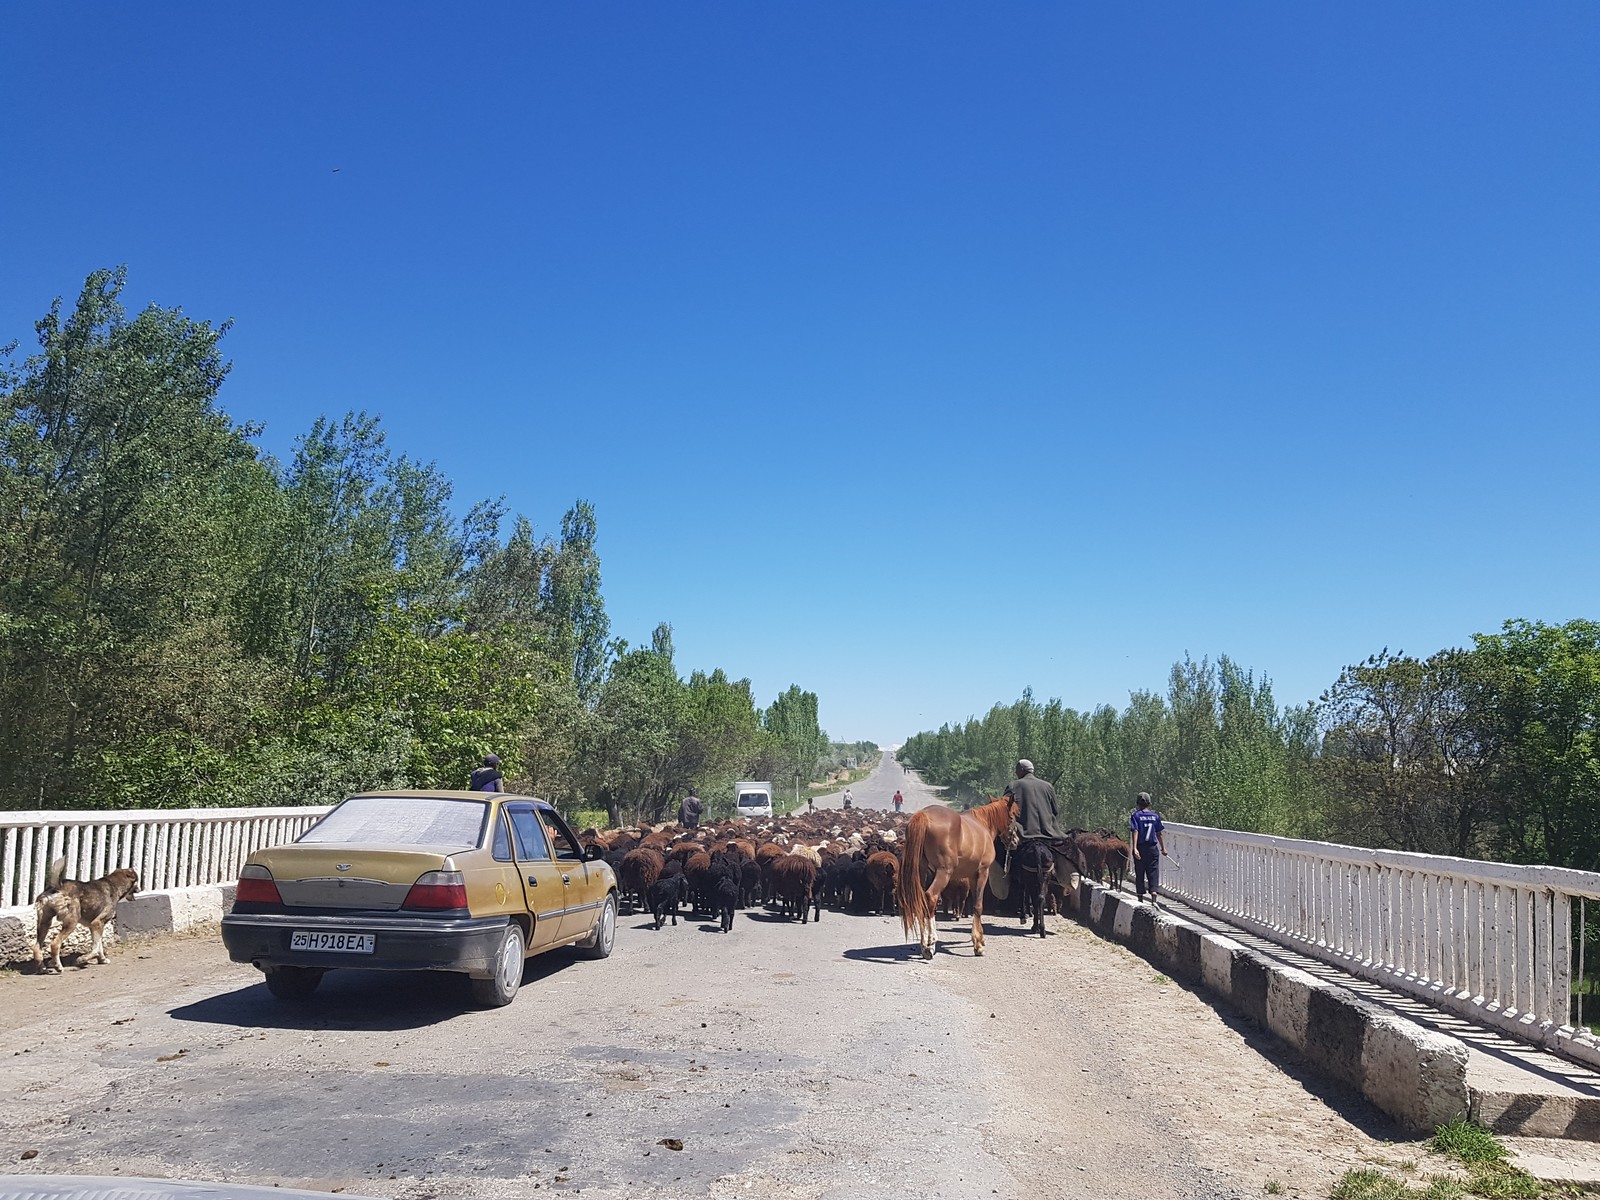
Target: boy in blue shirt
(1149,847)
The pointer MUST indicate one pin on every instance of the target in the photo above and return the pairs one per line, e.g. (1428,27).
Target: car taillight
(437,890)
(256,887)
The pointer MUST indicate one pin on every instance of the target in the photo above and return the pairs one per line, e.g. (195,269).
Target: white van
(752,798)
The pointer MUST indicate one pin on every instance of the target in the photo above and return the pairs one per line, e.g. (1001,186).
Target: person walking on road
(848,799)
(691,808)
(1149,847)
(1037,815)
(487,777)
(898,800)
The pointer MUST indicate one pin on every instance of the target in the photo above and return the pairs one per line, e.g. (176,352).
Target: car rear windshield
(402,821)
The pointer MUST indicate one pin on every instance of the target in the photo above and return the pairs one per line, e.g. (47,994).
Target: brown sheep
(639,871)
(702,883)
(882,870)
(794,883)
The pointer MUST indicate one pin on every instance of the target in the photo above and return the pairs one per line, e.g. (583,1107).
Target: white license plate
(339,943)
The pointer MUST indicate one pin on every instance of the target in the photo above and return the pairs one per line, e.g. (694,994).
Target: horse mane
(994,816)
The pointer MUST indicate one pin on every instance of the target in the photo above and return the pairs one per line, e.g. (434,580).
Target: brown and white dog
(74,902)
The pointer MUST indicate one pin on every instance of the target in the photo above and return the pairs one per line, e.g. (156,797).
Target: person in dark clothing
(487,777)
(1037,815)
(689,811)
(1149,847)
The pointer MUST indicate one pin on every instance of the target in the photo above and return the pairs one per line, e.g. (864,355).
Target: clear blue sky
(915,353)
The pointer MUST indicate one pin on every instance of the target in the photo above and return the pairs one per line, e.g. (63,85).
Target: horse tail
(52,881)
(908,889)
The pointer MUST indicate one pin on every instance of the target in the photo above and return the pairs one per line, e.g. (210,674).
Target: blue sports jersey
(1144,825)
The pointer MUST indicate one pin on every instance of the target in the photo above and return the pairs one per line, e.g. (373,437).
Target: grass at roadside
(1489,1173)
(851,778)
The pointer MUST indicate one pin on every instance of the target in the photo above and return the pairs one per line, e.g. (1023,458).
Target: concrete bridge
(1295,1008)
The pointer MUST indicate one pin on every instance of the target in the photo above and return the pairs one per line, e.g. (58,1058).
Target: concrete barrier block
(1216,962)
(1122,921)
(1289,1003)
(1143,932)
(16,938)
(167,912)
(1247,986)
(1336,1028)
(1416,1075)
(1185,951)
(1096,905)
(150,912)
(1166,940)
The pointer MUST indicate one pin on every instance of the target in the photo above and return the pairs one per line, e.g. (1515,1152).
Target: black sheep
(666,894)
(727,899)
(749,884)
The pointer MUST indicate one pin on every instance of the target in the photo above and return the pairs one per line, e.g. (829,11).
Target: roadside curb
(148,912)
(1418,1076)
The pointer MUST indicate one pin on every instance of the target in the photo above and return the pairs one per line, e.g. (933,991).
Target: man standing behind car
(689,811)
(487,777)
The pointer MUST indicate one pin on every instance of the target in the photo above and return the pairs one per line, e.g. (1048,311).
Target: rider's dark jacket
(1036,807)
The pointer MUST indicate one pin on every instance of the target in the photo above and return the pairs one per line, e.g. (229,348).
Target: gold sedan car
(474,882)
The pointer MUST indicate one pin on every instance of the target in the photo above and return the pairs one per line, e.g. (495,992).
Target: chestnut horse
(955,847)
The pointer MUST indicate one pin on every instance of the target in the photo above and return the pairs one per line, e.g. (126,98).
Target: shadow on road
(904,952)
(357,1000)
(1013,930)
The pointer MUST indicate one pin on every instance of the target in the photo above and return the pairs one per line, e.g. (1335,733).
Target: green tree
(1536,697)
(119,474)
(1402,756)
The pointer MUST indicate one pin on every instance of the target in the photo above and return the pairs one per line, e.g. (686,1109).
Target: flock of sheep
(845,860)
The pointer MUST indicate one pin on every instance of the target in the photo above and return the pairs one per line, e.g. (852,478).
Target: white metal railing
(1491,941)
(169,848)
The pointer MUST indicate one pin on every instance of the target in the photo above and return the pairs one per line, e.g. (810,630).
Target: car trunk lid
(373,878)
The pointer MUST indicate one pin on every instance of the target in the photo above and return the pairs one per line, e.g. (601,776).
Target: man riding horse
(1039,827)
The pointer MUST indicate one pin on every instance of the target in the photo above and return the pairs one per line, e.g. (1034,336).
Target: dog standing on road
(74,902)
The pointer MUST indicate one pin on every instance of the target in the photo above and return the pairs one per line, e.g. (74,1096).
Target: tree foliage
(1215,748)
(187,621)
(1489,751)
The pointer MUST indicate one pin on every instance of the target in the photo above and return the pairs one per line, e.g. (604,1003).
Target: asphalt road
(877,790)
(823,1060)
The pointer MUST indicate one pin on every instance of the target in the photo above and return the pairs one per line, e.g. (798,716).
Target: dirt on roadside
(1103,1054)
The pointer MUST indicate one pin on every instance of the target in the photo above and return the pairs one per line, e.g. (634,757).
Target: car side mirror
(593,851)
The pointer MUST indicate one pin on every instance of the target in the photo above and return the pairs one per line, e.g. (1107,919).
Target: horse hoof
(977,952)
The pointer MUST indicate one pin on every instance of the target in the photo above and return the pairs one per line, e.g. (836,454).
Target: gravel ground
(817,1061)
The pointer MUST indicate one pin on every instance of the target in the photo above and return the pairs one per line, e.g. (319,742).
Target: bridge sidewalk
(1517,1089)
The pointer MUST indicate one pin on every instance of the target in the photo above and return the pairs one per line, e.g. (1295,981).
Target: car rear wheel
(501,987)
(598,944)
(293,983)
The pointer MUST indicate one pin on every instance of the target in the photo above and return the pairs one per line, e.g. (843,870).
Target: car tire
(599,943)
(293,983)
(500,988)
